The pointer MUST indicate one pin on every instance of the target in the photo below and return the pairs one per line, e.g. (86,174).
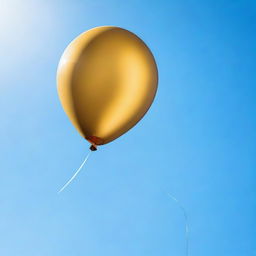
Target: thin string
(78,170)
(186,221)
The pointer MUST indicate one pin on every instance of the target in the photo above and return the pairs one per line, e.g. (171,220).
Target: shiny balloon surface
(107,80)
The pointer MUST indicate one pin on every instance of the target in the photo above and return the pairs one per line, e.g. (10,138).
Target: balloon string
(186,221)
(78,170)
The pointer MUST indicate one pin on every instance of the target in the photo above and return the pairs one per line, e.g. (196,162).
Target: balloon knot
(93,148)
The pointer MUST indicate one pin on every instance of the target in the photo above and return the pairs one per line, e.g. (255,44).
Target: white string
(186,221)
(79,169)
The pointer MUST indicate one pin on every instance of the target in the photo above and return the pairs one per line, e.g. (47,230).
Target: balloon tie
(186,221)
(75,174)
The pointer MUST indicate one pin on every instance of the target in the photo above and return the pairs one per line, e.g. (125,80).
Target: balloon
(107,80)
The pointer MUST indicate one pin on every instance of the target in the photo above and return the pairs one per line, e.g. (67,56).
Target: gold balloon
(107,79)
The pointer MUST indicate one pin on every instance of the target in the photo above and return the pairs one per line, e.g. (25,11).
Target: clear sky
(197,142)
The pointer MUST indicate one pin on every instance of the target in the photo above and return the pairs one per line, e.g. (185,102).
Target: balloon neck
(93,147)
(94,141)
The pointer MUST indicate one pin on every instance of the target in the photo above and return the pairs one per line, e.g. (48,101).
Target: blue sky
(197,142)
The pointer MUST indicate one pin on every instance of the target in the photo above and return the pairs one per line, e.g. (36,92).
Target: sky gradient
(197,142)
